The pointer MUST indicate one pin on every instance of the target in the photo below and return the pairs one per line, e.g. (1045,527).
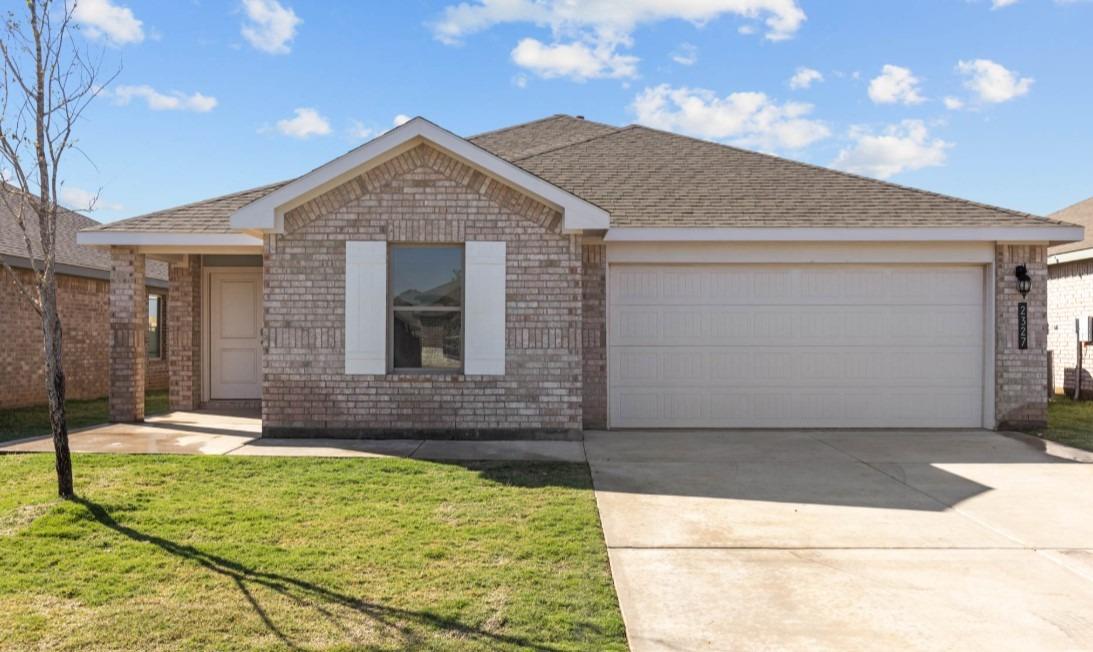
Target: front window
(426,327)
(156,314)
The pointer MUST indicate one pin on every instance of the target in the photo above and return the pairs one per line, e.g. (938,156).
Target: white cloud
(898,148)
(992,82)
(804,78)
(577,60)
(401,119)
(520,81)
(307,123)
(895,85)
(749,119)
(78,199)
(587,35)
(617,18)
(358,131)
(157,101)
(998,4)
(101,19)
(270,26)
(953,103)
(686,54)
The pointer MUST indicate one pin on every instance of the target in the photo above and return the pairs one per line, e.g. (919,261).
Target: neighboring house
(1070,300)
(562,275)
(83,293)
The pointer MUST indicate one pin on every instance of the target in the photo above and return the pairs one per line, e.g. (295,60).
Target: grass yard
(18,423)
(1070,422)
(222,553)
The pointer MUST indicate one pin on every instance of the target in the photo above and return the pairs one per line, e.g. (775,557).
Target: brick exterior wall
(128,327)
(1070,297)
(184,334)
(85,317)
(594,335)
(1020,375)
(421,196)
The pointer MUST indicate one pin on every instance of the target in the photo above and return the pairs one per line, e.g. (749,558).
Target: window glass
(154,339)
(427,276)
(427,308)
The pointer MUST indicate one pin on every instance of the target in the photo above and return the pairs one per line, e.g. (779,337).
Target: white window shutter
(484,312)
(366,307)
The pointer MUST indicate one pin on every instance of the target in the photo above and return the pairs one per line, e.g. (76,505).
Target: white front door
(235,326)
(796,346)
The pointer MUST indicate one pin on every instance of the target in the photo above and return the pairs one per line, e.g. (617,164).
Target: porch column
(183,333)
(128,328)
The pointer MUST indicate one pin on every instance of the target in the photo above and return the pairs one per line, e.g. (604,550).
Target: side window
(426,308)
(157,313)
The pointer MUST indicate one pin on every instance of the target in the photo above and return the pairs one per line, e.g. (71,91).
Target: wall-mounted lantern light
(1024,281)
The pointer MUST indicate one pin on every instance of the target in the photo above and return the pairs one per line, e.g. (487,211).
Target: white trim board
(800,252)
(1070,256)
(267,213)
(1047,234)
(166,239)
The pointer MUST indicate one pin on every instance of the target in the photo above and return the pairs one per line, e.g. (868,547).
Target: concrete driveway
(848,540)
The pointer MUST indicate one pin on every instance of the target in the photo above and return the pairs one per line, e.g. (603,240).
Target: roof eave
(144,239)
(1051,234)
(267,214)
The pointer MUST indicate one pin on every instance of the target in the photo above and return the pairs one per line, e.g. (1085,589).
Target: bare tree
(48,81)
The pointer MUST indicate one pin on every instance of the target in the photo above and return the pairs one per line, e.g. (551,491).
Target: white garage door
(787,346)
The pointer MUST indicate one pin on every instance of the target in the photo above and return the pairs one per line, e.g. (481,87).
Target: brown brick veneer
(1020,375)
(128,327)
(424,196)
(594,335)
(184,333)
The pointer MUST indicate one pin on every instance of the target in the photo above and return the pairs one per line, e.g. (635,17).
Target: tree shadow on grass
(307,594)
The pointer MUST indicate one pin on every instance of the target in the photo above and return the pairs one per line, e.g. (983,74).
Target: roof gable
(267,213)
(1080,214)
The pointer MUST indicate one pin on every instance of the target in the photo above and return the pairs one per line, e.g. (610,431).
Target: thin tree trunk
(55,388)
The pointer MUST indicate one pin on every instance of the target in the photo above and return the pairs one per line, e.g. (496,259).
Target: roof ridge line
(852,175)
(189,204)
(578,142)
(517,126)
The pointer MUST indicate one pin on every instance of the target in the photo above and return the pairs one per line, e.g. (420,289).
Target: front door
(235,326)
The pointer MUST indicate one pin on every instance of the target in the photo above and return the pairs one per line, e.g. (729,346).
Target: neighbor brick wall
(421,196)
(1020,375)
(128,327)
(594,334)
(184,334)
(1070,297)
(85,319)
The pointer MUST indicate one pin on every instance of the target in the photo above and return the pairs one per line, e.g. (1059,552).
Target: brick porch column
(183,322)
(128,328)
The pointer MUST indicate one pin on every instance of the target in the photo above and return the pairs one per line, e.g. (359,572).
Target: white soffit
(1049,233)
(267,213)
(166,239)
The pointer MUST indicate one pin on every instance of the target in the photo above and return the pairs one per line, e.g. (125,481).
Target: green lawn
(30,421)
(222,553)
(1070,422)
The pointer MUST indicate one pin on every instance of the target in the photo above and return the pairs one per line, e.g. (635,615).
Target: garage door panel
(797,325)
(675,367)
(796,346)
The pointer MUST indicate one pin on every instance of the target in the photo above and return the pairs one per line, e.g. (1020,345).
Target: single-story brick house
(83,292)
(563,275)
(1070,301)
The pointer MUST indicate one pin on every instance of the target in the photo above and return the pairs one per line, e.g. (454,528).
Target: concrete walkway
(239,433)
(846,540)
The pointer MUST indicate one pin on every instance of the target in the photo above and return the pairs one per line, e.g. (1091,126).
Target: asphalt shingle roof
(648,178)
(68,252)
(1081,214)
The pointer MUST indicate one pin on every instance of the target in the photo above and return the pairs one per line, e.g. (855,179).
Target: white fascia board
(166,239)
(1048,233)
(267,213)
(1070,256)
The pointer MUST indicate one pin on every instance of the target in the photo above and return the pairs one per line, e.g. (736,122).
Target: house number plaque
(1022,325)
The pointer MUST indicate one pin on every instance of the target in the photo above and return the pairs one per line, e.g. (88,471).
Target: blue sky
(984,99)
